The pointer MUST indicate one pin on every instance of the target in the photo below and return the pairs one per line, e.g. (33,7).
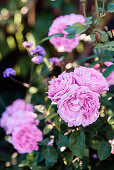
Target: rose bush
(56,85)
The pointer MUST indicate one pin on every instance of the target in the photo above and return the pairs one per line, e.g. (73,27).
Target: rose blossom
(60,85)
(112,145)
(91,78)
(110,78)
(63,44)
(17,119)
(79,106)
(25,138)
(19,104)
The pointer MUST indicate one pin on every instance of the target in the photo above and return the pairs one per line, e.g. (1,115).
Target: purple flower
(9,72)
(27,44)
(37,59)
(54,60)
(38,50)
(95,156)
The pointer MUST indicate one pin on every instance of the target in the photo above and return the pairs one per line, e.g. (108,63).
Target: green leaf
(77,143)
(49,153)
(80,28)
(111,121)
(99,45)
(44,142)
(57,123)
(62,141)
(93,38)
(111,7)
(40,117)
(88,20)
(51,116)
(69,36)
(104,150)
(110,34)
(51,36)
(108,70)
(71,30)
(104,36)
(69,157)
(47,129)
(86,58)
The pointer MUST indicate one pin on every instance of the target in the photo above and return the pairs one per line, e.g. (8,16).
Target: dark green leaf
(54,35)
(86,58)
(108,70)
(69,157)
(47,129)
(80,28)
(77,143)
(71,30)
(99,45)
(93,38)
(104,150)
(110,34)
(62,141)
(57,123)
(88,20)
(51,116)
(104,36)
(49,153)
(44,142)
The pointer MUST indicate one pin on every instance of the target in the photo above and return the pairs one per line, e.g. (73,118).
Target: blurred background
(22,20)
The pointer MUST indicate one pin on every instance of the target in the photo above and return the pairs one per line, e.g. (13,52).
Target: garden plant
(57,85)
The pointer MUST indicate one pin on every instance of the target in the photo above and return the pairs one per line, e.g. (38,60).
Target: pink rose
(63,44)
(17,119)
(112,145)
(91,78)
(25,138)
(110,78)
(60,85)
(19,104)
(79,106)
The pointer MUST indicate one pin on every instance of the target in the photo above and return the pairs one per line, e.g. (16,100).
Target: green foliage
(108,70)
(72,147)
(49,153)
(77,143)
(104,150)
